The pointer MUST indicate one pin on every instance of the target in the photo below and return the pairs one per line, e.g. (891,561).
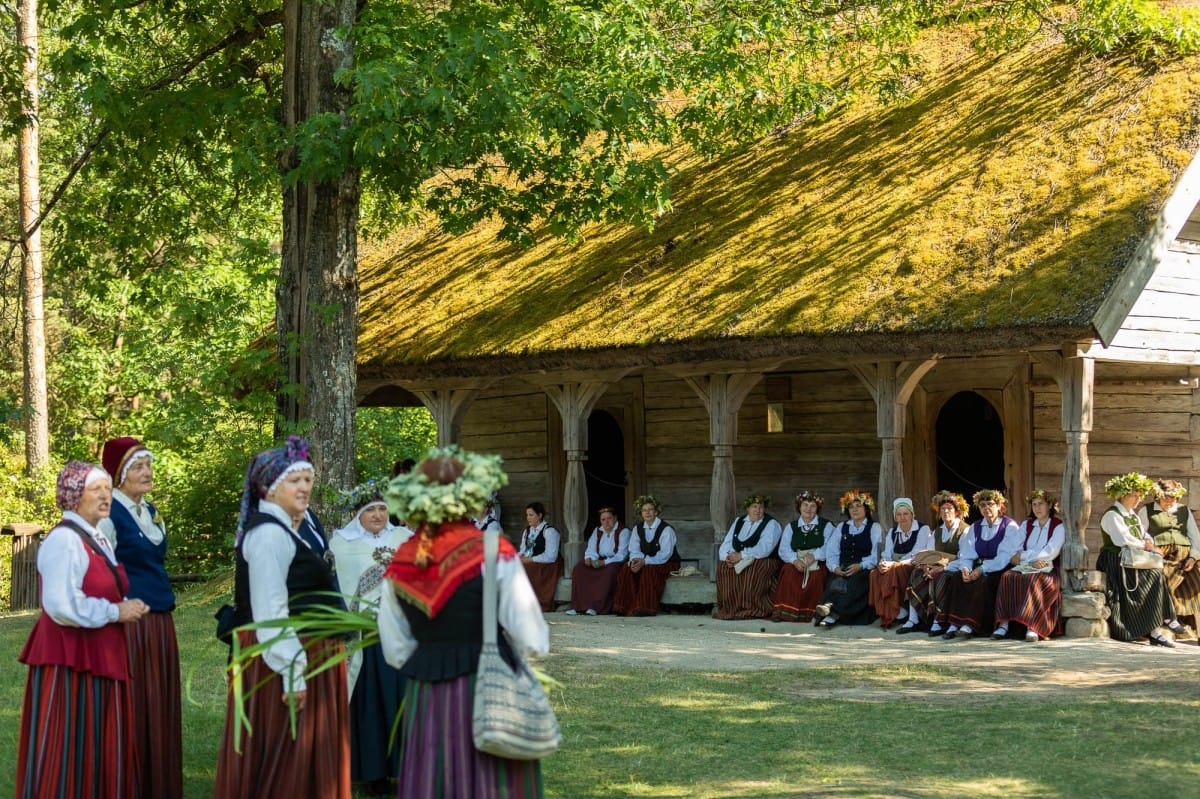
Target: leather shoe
(1177,628)
(950,635)
(904,629)
(1161,640)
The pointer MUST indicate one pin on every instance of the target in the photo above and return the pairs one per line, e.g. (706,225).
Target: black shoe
(904,629)
(935,633)
(1161,640)
(1175,627)
(949,635)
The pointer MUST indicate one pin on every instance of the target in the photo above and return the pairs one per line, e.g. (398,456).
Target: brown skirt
(592,589)
(315,764)
(746,595)
(544,578)
(1033,600)
(154,698)
(927,593)
(795,600)
(639,594)
(1184,586)
(888,591)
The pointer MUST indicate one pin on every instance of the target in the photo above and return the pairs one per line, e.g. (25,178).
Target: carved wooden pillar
(723,396)
(891,383)
(449,407)
(574,402)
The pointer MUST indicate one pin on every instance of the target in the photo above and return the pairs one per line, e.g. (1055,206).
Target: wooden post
(723,396)
(23,588)
(574,402)
(449,407)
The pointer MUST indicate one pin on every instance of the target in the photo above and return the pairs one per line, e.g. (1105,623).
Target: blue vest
(142,559)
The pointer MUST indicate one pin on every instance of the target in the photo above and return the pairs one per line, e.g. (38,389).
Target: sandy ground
(704,644)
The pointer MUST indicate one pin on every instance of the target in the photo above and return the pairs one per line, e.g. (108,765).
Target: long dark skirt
(639,594)
(849,597)
(1137,598)
(544,578)
(440,760)
(971,604)
(155,703)
(795,599)
(374,710)
(315,764)
(1033,600)
(593,589)
(888,591)
(927,593)
(746,595)
(75,739)
(1184,586)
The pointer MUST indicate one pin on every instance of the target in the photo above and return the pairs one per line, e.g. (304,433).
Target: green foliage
(388,435)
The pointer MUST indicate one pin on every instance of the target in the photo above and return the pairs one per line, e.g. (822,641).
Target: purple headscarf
(72,480)
(264,473)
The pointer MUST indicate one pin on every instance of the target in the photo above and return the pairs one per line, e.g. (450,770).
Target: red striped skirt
(544,578)
(75,739)
(315,764)
(592,589)
(795,600)
(639,594)
(1033,600)
(888,591)
(928,593)
(154,699)
(746,595)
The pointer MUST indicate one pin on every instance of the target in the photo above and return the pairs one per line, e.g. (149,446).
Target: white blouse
(1041,545)
(1124,528)
(666,544)
(788,555)
(1009,546)
(530,537)
(612,547)
(771,533)
(140,513)
(62,561)
(924,542)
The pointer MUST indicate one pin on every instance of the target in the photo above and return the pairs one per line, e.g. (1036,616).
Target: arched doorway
(970,446)
(605,467)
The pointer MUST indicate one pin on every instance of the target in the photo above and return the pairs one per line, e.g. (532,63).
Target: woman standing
(889,579)
(139,537)
(431,628)
(853,550)
(1030,594)
(927,586)
(75,720)
(747,569)
(802,550)
(361,551)
(281,571)
(539,554)
(1171,524)
(1138,600)
(594,578)
(984,554)
(652,558)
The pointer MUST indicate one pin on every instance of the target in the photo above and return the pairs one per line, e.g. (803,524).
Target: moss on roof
(1009,192)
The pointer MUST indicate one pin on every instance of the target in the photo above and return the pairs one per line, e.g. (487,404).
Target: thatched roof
(996,208)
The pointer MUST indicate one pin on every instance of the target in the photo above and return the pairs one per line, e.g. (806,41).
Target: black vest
(650,547)
(308,574)
(448,645)
(855,547)
(908,546)
(753,540)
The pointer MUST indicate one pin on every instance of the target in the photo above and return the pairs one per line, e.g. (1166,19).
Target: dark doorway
(970,446)
(605,467)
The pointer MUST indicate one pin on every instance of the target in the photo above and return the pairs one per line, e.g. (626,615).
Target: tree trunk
(317,294)
(37,435)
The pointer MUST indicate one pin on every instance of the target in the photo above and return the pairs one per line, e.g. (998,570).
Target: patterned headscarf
(266,471)
(72,480)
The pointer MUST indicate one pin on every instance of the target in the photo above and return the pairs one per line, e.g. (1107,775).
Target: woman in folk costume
(361,551)
(594,579)
(652,558)
(539,554)
(984,554)
(927,585)
(1171,524)
(889,579)
(140,541)
(282,570)
(852,551)
(431,628)
(1138,600)
(75,722)
(747,569)
(1030,594)
(489,519)
(802,550)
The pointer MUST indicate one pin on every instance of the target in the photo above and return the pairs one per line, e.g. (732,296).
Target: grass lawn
(854,731)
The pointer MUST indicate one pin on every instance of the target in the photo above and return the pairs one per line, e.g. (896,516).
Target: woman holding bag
(431,627)
(1138,598)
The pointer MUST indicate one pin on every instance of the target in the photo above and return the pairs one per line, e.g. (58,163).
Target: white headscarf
(354,529)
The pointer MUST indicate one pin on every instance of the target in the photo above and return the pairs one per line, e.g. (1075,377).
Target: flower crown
(761,499)
(647,499)
(352,500)
(1169,489)
(854,495)
(1132,483)
(1044,495)
(809,496)
(957,500)
(418,499)
(989,495)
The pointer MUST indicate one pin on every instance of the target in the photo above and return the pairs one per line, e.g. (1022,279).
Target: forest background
(168,141)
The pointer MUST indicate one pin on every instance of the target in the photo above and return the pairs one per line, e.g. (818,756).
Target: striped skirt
(971,604)
(796,600)
(1033,600)
(927,592)
(315,764)
(639,594)
(374,709)
(1137,598)
(440,761)
(592,589)
(1184,586)
(154,699)
(746,595)
(75,739)
(544,578)
(888,590)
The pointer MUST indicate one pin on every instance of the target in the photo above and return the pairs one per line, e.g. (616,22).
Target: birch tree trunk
(317,294)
